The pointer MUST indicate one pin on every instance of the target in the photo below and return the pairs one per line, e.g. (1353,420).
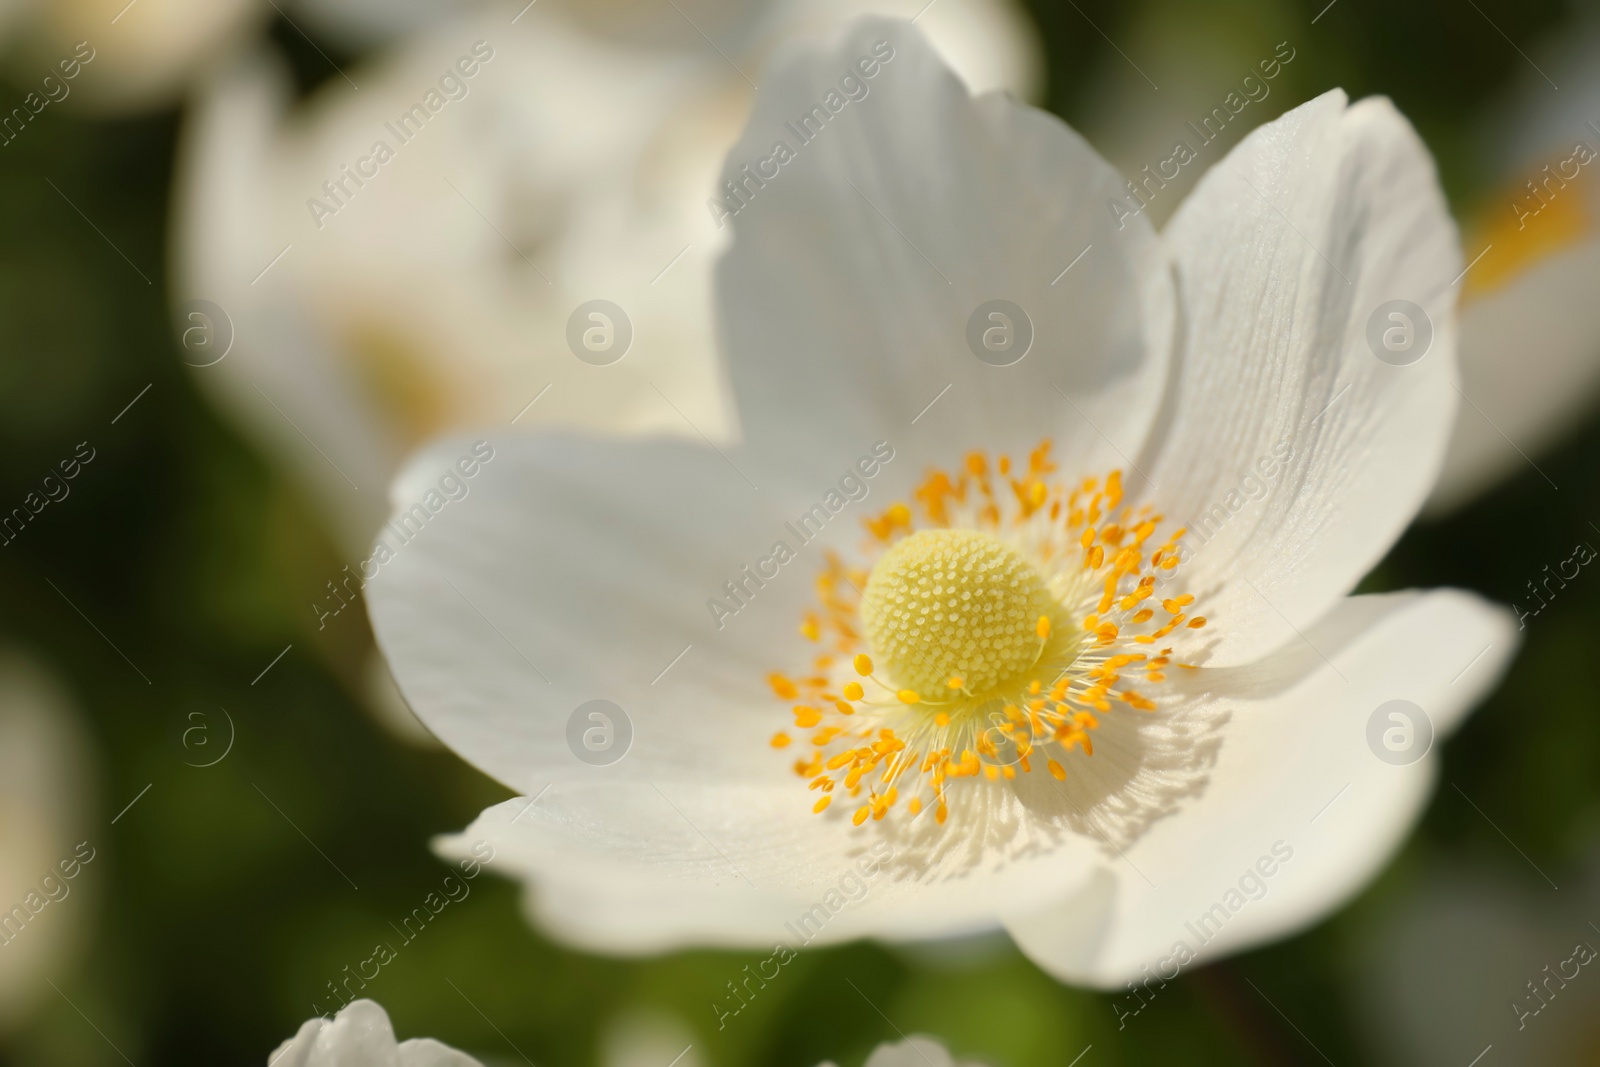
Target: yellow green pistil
(952,610)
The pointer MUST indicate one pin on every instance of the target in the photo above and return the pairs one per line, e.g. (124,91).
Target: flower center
(1021,611)
(954,609)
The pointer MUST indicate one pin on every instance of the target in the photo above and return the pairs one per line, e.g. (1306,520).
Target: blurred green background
(212,921)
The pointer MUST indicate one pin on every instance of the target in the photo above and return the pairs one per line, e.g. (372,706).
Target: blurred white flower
(1467,956)
(436,291)
(146,52)
(1030,661)
(1530,325)
(914,1051)
(45,796)
(360,1036)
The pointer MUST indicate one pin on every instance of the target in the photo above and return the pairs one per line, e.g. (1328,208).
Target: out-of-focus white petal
(1295,781)
(1292,452)
(438,292)
(1530,367)
(1433,998)
(145,54)
(915,1051)
(45,795)
(859,268)
(360,1036)
(990,44)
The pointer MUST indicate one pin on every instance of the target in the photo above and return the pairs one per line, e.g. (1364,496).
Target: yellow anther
(908,696)
(1042,627)
(863,664)
(853,690)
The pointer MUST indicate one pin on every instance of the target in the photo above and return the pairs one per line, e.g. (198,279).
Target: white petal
(915,1051)
(223,241)
(857,265)
(1295,780)
(646,867)
(360,1036)
(1530,368)
(1292,453)
(582,570)
(990,44)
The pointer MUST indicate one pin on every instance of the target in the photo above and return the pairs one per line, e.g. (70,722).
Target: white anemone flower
(1530,327)
(45,795)
(375,299)
(361,1036)
(1079,659)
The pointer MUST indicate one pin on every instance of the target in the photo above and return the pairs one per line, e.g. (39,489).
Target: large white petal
(1286,251)
(857,265)
(1296,773)
(579,569)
